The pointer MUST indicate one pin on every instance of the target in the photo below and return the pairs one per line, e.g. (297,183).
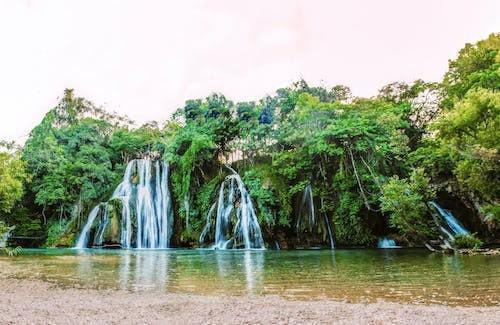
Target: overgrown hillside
(371,165)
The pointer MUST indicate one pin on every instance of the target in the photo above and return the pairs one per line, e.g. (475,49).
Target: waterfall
(5,234)
(124,192)
(208,224)
(387,243)
(307,221)
(453,225)
(236,224)
(103,224)
(307,206)
(83,239)
(146,209)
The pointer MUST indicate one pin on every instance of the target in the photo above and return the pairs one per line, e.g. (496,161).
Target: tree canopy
(372,164)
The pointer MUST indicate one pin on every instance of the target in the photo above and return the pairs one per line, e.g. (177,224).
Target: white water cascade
(83,239)
(307,219)
(146,209)
(4,236)
(236,224)
(453,226)
(387,243)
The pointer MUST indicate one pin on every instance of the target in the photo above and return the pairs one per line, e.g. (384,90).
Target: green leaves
(467,241)
(76,155)
(405,201)
(13,174)
(363,158)
(469,128)
(477,66)
(475,120)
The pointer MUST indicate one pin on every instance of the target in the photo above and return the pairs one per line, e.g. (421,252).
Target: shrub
(467,241)
(4,234)
(56,233)
(404,201)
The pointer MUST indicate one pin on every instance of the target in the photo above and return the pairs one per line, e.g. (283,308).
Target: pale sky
(145,58)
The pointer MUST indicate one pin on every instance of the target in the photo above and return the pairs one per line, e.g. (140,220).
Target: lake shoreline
(39,302)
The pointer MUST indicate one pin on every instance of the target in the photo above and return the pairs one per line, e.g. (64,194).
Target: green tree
(13,175)
(406,202)
(71,160)
(469,126)
(477,66)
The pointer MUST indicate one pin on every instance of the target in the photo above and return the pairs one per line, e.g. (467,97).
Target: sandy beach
(38,302)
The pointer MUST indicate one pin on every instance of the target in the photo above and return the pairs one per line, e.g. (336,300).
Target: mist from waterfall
(146,209)
(236,224)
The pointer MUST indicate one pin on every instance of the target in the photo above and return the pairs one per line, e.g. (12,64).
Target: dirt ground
(38,302)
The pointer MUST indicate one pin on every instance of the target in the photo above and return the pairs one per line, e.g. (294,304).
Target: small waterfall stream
(308,221)
(307,207)
(387,243)
(236,224)
(146,210)
(452,226)
(83,239)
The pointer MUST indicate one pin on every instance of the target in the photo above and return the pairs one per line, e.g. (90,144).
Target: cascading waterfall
(83,239)
(146,210)
(236,224)
(306,218)
(208,224)
(103,224)
(453,226)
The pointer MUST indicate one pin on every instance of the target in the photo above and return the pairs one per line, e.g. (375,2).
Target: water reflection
(452,263)
(353,275)
(151,270)
(254,265)
(225,265)
(124,271)
(128,269)
(85,265)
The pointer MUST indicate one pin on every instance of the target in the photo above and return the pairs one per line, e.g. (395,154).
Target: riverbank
(483,251)
(38,302)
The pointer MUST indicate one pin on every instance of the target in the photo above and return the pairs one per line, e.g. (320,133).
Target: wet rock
(483,251)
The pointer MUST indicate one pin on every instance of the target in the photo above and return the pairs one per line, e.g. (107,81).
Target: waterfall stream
(236,224)
(308,222)
(453,226)
(387,243)
(146,210)
(83,239)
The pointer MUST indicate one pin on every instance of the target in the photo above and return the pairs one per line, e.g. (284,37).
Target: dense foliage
(467,241)
(467,131)
(13,175)
(405,201)
(373,164)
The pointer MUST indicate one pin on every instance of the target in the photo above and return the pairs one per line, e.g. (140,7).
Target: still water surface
(403,275)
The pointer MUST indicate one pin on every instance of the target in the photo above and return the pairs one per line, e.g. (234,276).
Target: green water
(403,275)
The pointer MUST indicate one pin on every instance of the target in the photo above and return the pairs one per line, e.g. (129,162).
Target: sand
(38,302)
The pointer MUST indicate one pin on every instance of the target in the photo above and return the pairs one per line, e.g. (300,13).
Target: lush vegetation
(467,241)
(373,163)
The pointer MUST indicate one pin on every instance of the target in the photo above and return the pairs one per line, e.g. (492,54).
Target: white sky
(145,58)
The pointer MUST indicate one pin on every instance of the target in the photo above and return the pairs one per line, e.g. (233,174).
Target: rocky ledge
(480,251)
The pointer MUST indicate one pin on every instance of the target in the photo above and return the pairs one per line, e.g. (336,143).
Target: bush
(58,235)
(467,241)
(4,235)
(11,251)
(404,201)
